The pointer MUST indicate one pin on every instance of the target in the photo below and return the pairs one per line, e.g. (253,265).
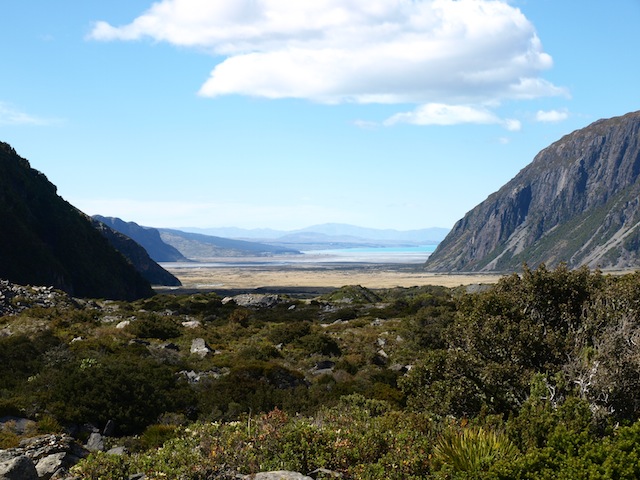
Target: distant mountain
(200,247)
(331,233)
(236,233)
(423,236)
(136,254)
(577,202)
(46,241)
(148,237)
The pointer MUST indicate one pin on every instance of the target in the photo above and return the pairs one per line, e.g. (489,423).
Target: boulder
(199,347)
(18,468)
(44,457)
(278,475)
(95,443)
(253,300)
(51,464)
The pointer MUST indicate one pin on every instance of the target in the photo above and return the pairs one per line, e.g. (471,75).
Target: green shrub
(154,326)
(319,343)
(155,436)
(289,332)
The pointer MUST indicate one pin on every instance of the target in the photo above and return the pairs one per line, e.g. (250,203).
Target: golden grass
(370,276)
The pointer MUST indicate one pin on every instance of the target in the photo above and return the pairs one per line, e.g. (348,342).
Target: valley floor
(262,274)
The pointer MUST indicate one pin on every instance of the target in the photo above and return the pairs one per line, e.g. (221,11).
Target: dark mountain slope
(137,255)
(577,202)
(148,237)
(46,241)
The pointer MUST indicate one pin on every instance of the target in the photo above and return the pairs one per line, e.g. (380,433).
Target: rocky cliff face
(148,237)
(46,241)
(137,256)
(577,202)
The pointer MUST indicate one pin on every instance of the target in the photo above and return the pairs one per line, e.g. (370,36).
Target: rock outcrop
(16,298)
(577,202)
(41,458)
(46,241)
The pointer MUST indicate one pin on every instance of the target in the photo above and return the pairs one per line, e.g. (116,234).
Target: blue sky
(399,114)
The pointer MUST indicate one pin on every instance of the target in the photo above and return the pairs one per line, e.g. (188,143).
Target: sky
(401,114)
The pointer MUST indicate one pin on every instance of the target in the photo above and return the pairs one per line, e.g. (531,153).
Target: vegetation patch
(534,377)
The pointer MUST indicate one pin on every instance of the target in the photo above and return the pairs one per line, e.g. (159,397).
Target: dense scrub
(535,377)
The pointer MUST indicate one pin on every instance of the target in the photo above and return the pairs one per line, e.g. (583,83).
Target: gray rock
(253,300)
(117,450)
(191,324)
(49,465)
(50,456)
(95,443)
(199,347)
(18,468)
(278,475)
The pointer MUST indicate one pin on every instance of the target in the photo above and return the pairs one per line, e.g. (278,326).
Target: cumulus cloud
(552,116)
(462,52)
(12,116)
(441,114)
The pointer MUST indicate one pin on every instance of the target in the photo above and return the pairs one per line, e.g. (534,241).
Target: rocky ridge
(577,203)
(147,237)
(47,241)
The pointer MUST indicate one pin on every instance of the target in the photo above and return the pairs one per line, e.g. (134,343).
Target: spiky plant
(472,449)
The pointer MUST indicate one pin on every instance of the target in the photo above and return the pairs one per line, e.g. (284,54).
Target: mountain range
(330,235)
(576,203)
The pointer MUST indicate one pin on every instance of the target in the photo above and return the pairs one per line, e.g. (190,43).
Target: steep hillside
(577,202)
(148,237)
(46,241)
(137,256)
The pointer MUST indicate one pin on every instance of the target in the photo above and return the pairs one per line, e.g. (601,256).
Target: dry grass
(338,275)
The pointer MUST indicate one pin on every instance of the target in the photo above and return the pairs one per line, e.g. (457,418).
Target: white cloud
(552,116)
(441,114)
(363,51)
(11,116)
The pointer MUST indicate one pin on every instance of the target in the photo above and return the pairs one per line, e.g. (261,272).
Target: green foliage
(287,333)
(22,356)
(352,294)
(318,343)
(154,326)
(131,391)
(544,364)
(155,436)
(472,450)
